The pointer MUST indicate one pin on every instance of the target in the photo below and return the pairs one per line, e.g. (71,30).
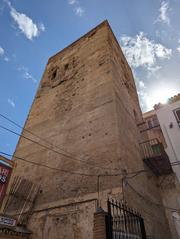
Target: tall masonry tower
(85,114)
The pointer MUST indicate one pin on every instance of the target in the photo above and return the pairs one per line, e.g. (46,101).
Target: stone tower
(86,112)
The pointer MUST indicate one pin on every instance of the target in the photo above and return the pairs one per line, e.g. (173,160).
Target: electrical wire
(98,177)
(33,134)
(149,201)
(66,171)
(70,156)
(114,175)
(62,154)
(55,151)
(46,166)
(124,174)
(65,154)
(74,158)
(33,141)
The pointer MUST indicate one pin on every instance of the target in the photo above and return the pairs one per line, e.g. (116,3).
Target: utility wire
(52,145)
(46,166)
(65,152)
(98,176)
(65,155)
(33,134)
(66,171)
(77,173)
(124,174)
(148,200)
(55,151)
(33,141)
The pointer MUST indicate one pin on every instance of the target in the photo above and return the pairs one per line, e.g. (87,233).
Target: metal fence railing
(152,148)
(124,222)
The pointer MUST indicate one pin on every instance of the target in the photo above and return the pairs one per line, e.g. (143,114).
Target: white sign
(7,221)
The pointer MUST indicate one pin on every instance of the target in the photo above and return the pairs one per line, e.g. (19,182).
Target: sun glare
(160,95)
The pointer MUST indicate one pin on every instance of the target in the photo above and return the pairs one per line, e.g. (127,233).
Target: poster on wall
(5,173)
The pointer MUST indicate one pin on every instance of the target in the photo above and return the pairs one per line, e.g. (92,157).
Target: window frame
(176,115)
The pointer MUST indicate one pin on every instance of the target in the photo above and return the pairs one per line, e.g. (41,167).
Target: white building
(163,124)
(169,120)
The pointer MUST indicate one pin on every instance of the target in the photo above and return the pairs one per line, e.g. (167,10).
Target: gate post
(100,224)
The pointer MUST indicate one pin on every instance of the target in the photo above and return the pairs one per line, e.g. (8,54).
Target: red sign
(5,173)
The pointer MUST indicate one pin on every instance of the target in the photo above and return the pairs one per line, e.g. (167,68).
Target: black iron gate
(124,222)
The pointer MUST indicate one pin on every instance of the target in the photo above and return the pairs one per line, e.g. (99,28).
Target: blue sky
(32,31)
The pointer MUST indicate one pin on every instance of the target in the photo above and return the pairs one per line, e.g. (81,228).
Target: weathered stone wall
(87,105)
(76,113)
(71,221)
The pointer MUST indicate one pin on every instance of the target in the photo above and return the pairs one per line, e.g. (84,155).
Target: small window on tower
(66,66)
(54,74)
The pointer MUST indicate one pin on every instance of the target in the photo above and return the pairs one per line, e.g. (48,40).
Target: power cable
(55,151)
(75,159)
(46,166)
(149,201)
(65,155)
(66,171)
(98,176)
(123,174)
(65,152)
(33,134)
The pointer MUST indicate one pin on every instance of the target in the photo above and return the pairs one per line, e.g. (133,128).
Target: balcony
(155,157)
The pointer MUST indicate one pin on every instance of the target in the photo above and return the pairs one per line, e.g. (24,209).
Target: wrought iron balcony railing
(155,157)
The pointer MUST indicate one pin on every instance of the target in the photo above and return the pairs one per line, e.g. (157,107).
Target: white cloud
(25,74)
(152,70)
(79,11)
(161,51)
(178,48)
(25,23)
(11,102)
(6,58)
(141,51)
(2,54)
(141,89)
(42,27)
(164,13)
(1,51)
(141,84)
(28,76)
(72,2)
